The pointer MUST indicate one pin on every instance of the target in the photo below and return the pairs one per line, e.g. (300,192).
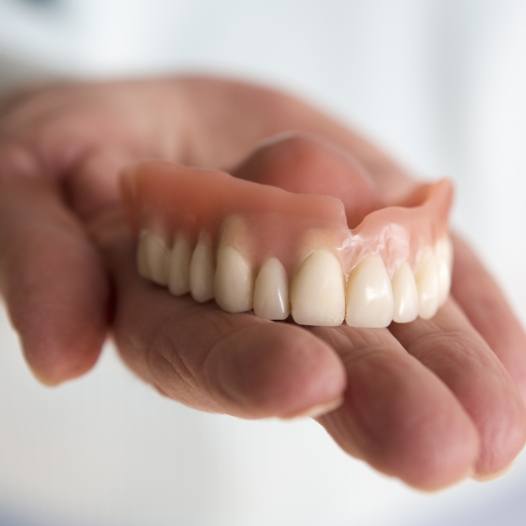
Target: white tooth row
(318,293)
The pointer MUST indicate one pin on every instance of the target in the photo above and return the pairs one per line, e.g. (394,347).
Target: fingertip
(275,369)
(318,410)
(61,327)
(503,435)
(493,476)
(432,486)
(442,456)
(405,423)
(54,360)
(52,278)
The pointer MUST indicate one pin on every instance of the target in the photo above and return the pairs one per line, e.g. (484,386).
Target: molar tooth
(142,259)
(179,266)
(369,294)
(157,255)
(271,296)
(317,290)
(444,278)
(405,294)
(444,248)
(202,270)
(426,277)
(234,280)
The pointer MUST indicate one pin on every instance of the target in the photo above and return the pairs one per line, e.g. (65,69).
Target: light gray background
(441,84)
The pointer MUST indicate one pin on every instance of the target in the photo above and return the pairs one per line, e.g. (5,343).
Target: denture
(253,246)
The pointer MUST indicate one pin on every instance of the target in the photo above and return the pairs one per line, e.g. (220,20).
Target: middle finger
(450,347)
(397,415)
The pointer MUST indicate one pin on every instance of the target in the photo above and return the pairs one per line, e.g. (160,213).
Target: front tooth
(157,255)
(317,291)
(179,266)
(142,259)
(369,295)
(427,285)
(271,295)
(405,294)
(202,270)
(234,281)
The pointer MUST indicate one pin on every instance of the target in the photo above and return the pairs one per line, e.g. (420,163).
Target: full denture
(253,246)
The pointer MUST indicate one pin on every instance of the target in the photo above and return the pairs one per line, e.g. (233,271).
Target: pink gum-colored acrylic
(276,223)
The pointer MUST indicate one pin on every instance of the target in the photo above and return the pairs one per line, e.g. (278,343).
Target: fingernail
(317,410)
(487,477)
(47,382)
(37,372)
(43,379)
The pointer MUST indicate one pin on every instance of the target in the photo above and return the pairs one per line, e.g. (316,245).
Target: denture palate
(251,246)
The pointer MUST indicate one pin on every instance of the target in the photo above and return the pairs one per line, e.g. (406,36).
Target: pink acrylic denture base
(170,198)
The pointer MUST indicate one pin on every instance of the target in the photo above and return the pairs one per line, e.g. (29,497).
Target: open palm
(429,402)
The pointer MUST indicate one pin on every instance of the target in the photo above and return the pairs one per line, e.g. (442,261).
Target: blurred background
(441,84)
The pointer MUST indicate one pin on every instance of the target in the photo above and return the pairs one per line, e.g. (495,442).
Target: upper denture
(252,242)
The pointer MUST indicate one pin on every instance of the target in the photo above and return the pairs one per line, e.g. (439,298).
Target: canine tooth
(405,294)
(179,266)
(142,259)
(271,295)
(234,280)
(317,291)
(369,295)
(426,277)
(157,255)
(202,270)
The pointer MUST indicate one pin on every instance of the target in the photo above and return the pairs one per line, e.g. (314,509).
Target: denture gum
(253,246)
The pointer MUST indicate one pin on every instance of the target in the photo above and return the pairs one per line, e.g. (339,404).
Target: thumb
(50,273)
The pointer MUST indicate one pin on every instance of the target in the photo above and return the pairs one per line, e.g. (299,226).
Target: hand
(429,402)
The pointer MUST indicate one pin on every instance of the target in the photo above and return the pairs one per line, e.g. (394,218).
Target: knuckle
(167,368)
(457,345)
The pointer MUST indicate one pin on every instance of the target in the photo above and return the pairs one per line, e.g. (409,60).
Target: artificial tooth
(444,248)
(405,294)
(157,254)
(426,277)
(179,266)
(444,279)
(202,270)
(444,258)
(233,230)
(234,280)
(271,296)
(317,290)
(369,294)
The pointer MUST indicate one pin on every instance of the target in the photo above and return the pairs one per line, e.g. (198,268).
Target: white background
(441,84)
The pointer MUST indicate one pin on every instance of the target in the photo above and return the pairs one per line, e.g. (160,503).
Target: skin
(429,402)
